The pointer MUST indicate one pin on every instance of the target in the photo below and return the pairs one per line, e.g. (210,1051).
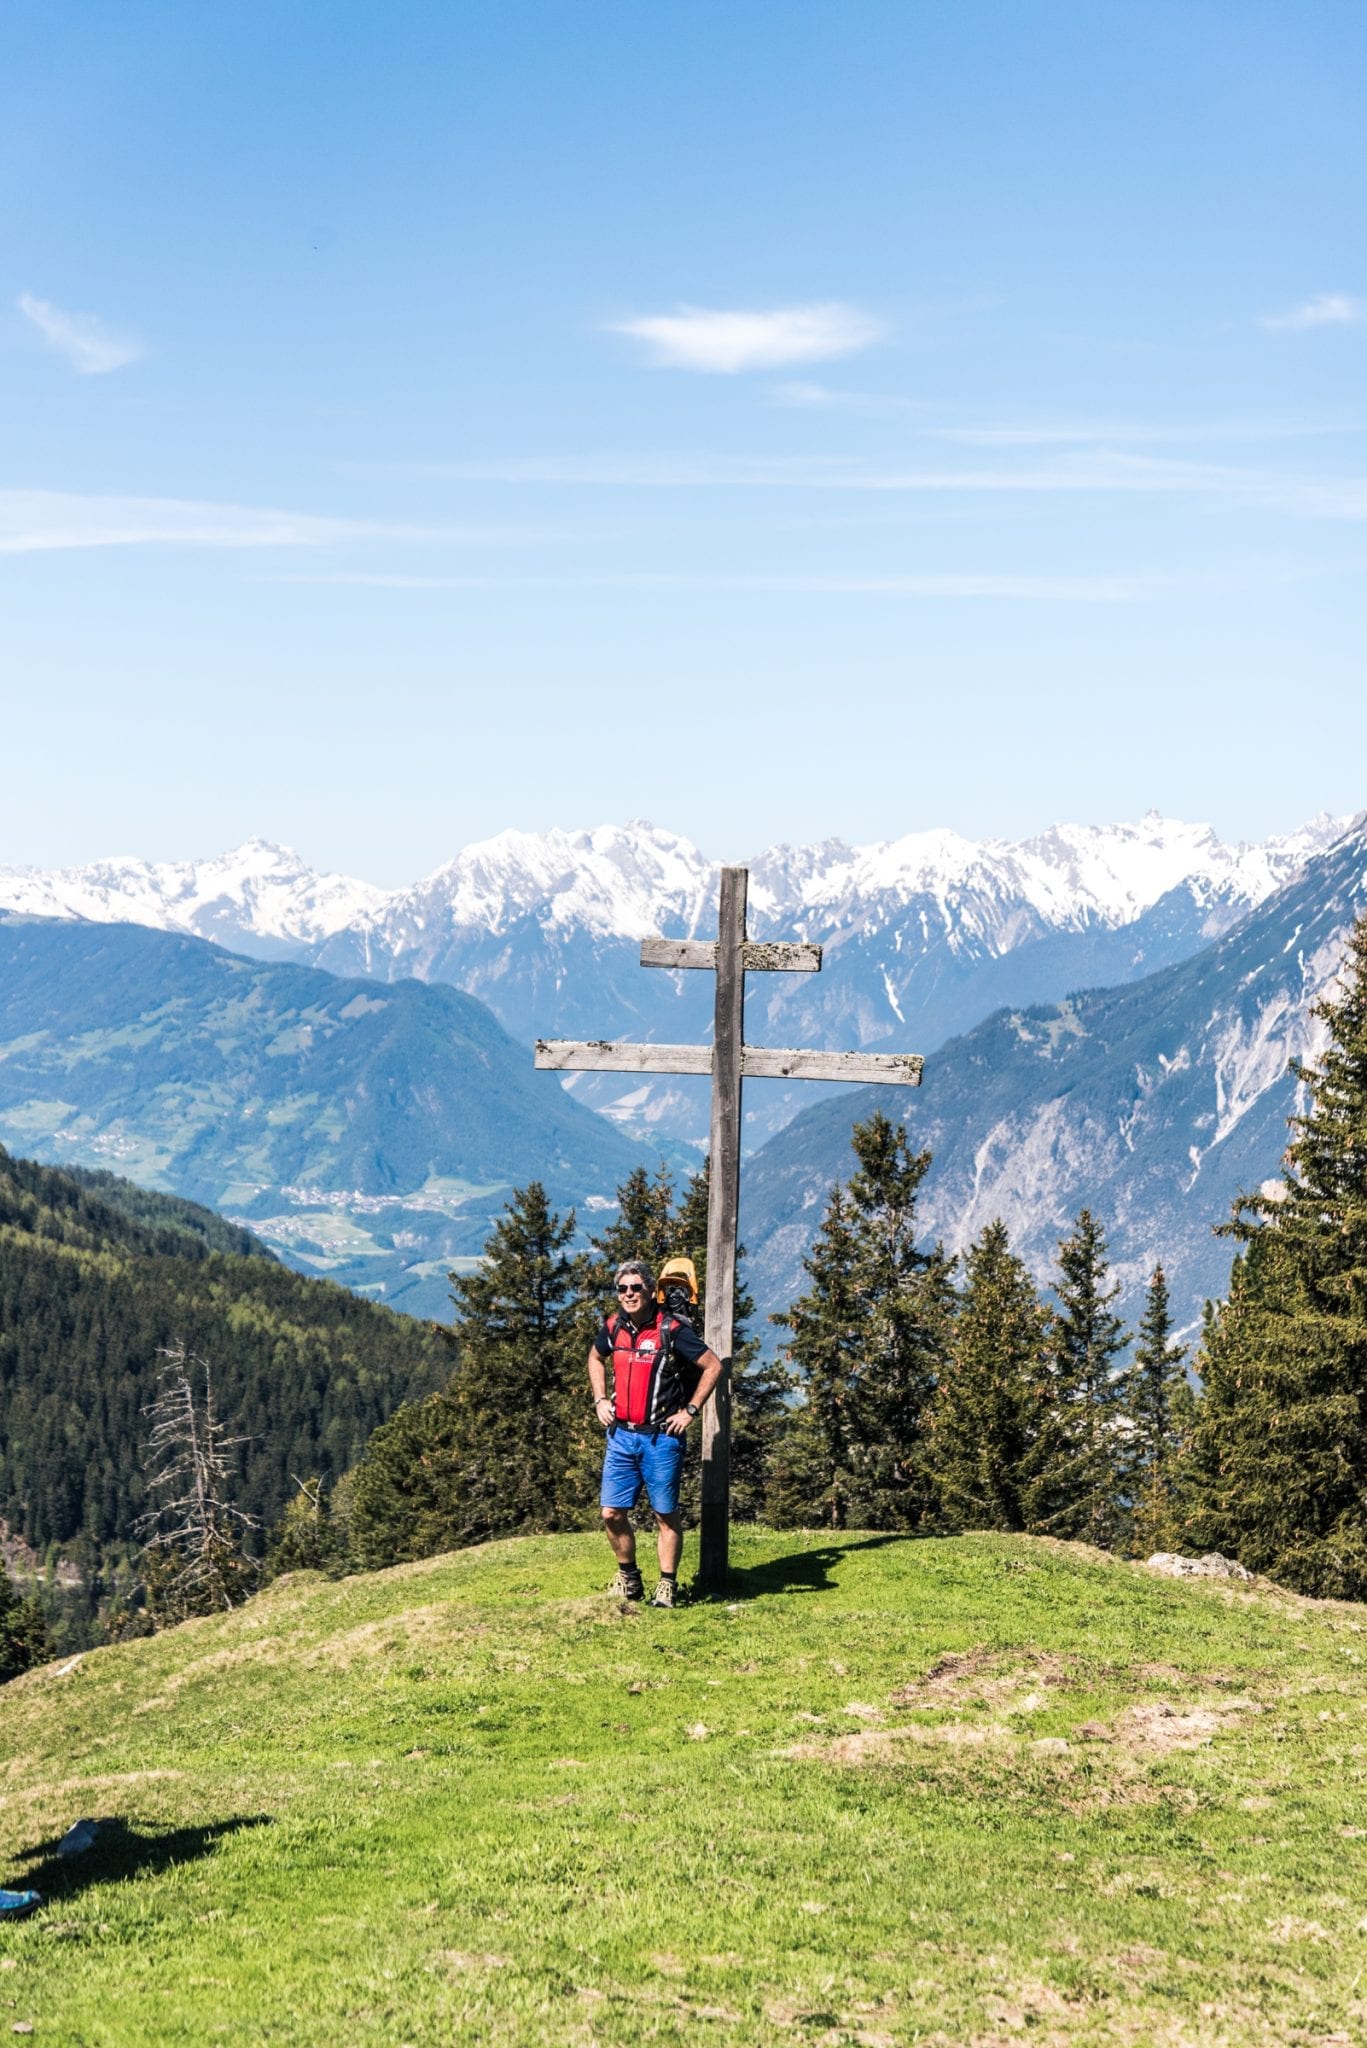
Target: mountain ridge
(1153,1103)
(366,1130)
(925,935)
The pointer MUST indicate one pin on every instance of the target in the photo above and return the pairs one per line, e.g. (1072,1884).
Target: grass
(473,1800)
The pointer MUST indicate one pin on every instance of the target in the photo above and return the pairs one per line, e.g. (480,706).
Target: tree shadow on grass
(121,1850)
(801,1571)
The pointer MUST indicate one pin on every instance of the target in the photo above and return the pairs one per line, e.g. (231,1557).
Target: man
(655,1358)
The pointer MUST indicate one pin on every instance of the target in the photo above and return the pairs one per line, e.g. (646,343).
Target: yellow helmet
(680,1271)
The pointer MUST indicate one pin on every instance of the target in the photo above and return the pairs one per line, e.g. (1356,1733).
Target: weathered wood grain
(602,1055)
(758,955)
(769,1063)
(723,1208)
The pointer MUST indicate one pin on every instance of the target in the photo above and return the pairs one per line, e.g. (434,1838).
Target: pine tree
(906,1306)
(1084,1440)
(1155,1387)
(304,1539)
(992,1434)
(514,1390)
(868,1341)
(403,1500)
(1276,1470)
(813,1480)
(24,1637)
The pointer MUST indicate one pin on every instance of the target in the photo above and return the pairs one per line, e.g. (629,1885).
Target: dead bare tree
(193,1534)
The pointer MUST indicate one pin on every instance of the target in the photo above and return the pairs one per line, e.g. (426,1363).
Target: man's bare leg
(621,1535)
(669,1540)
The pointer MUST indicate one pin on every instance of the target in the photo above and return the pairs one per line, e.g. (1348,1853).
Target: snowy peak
(258,890)
(622,882)
(617,880)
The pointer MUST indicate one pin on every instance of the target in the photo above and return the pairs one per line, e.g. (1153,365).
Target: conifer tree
(403,1500)
(487,1455)
(992,1435)
(867,1342)
(1276,1470)
(24,1637)
(1084,1444)
(1155,1387)
(906,1305)
(513,1393)
(304,1539)
(813,1480)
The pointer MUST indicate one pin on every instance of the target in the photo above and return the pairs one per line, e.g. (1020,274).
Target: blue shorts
(632,1460)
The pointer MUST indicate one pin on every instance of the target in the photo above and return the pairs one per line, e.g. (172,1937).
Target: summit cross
(729,1061)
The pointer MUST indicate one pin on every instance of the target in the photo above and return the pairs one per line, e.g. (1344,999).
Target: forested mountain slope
(369,1131)
(90,1291)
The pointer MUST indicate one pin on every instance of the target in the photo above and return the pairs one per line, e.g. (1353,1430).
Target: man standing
(656,1358)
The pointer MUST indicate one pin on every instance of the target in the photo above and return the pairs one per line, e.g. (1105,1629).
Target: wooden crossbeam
(757,956)
(757,1062)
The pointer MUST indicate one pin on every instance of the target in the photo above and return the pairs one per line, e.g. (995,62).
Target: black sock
(667,1575)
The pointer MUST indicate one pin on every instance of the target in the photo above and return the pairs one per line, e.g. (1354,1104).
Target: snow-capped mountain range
(1153,1104)
(925,935)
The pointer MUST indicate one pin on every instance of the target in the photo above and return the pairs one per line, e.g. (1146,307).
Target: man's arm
(598,1383)
(710,1374)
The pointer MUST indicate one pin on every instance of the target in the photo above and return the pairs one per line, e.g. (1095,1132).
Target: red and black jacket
(654,1367)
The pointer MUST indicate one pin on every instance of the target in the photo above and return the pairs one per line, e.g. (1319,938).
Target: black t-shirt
(654,1369)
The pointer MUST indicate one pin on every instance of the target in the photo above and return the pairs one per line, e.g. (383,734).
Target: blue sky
(776,421)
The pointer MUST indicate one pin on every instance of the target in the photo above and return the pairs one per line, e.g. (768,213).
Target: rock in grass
(1211,1566)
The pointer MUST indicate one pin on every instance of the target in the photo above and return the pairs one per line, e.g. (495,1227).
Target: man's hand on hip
(677,1423)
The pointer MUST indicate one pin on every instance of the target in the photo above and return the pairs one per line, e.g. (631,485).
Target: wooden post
(723,1204)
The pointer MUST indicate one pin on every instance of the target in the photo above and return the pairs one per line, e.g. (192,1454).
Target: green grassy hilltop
(976,1791)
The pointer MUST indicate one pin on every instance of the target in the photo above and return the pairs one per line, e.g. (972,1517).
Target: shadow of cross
(728,1060)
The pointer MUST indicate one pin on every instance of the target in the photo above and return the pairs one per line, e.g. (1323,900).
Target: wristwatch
(691,1409)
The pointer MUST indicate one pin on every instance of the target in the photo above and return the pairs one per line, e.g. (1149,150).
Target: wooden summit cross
(728,1060)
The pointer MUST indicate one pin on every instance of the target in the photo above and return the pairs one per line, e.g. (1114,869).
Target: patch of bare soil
(1154,1727)
(990,1675)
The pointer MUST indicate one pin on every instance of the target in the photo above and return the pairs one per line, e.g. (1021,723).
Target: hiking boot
(628,1585)
(665,1594)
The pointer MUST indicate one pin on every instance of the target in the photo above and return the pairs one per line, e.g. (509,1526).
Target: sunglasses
(631,1287)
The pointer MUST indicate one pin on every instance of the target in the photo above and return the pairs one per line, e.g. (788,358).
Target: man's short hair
(647,1278)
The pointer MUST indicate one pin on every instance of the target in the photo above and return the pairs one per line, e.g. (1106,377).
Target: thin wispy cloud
(803,396)
(36,522)
(1330,309)
(1085,470)
(91,348)
(808,397)
(720,342)
(969,584)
